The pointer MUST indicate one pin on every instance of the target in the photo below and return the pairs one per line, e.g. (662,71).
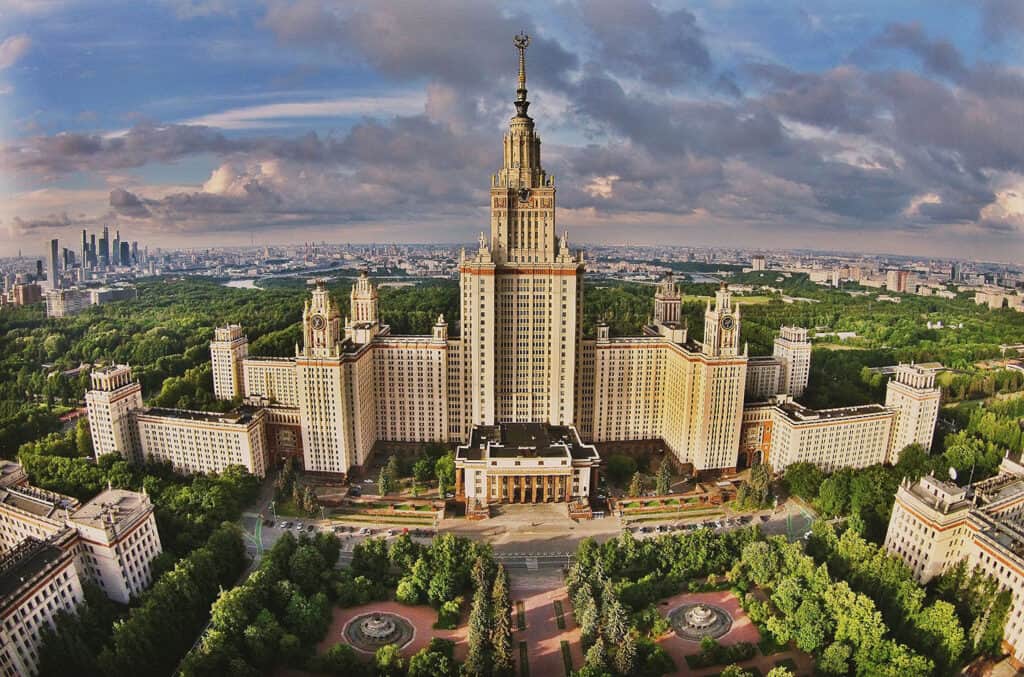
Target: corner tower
(521,299)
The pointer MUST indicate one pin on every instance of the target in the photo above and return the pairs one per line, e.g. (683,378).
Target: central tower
(522,194)
(521,299)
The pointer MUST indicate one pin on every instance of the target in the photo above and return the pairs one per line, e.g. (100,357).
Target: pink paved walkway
(542,636)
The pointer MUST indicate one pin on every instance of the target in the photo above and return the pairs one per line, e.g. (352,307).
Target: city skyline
(862,127)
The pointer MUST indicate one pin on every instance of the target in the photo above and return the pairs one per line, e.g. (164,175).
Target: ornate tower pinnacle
(521,41)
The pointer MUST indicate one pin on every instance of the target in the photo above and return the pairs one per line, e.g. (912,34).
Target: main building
(518,360)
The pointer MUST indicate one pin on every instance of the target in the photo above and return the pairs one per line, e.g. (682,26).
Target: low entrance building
(524,463)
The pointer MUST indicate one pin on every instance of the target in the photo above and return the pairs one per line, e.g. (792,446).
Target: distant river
(242,284)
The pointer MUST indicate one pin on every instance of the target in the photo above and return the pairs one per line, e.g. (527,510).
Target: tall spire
(521,41)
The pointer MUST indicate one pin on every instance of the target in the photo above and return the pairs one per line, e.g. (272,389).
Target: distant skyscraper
(85,250)
(135,252)
(105,248)
(53,271)
(92,250)
(115,252)
(39,269)
(126,254)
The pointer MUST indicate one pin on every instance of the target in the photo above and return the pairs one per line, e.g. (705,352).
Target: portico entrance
(530,488)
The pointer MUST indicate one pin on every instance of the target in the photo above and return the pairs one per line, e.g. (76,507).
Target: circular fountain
(697,621)
(371,631)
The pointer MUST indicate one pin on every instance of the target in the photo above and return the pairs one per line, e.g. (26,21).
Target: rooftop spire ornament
(521,41)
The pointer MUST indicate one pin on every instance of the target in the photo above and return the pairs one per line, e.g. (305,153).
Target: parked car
(268,523)
(299,526)
(354,492)
(391,532)
(364,532)
(283,525)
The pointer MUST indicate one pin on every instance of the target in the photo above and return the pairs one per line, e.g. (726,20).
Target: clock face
(318,322)
(727,322)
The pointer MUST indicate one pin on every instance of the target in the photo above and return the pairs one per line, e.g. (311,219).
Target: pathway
(537,592)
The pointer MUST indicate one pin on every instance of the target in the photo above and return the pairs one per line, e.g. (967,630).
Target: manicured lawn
(559,615)
(288,509)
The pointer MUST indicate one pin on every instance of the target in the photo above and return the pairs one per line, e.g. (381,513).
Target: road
(534,536)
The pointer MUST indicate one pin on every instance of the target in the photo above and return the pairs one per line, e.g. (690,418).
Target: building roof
(113,507)
(525,440)
(243,415)
(11,473)
(798,413)
(35,501)
(28,561)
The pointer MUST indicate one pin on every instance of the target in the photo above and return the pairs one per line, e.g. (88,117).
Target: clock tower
(321,324)
(722,326)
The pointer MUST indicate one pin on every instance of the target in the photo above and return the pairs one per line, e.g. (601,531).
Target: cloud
(193,9)
(403,40)
(665,48)
(12,49)
(276,114)
(937,56)
(127,204)
(1002,18)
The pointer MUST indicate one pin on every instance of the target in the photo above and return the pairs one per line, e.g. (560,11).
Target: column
(568,488)
(510,489)
(544,481)
(533,489)
(487,488)
(458,482)
(558,488)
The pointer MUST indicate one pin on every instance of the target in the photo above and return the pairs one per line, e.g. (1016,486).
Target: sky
(860,125)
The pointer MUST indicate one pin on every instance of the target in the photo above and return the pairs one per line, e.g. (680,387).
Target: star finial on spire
(521,41)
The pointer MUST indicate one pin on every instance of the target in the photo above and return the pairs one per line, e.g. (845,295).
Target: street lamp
(273,509)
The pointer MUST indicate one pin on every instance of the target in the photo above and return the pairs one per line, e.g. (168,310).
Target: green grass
(520,616)
(559,615)
(567,658)
(289,509)
(524,663)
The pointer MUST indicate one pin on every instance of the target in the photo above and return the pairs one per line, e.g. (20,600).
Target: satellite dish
(952,474)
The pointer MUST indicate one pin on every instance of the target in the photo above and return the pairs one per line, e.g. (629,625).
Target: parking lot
(721,524)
